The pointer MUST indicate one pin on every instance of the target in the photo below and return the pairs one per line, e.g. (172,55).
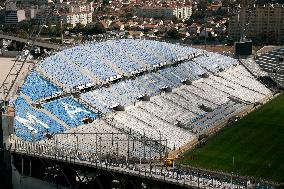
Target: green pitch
(256,142)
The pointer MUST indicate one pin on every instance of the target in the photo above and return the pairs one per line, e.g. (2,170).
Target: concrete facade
(265,21)
(165,12)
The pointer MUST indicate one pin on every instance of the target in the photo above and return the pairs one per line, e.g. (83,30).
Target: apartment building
(181,12)
(75,18)
(11,15)
(71,13)
(264,22)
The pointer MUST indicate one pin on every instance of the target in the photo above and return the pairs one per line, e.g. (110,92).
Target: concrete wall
(25,182)
(5,168)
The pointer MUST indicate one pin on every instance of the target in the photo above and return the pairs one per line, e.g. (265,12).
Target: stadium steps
(105,61)
(109,120)
(245,80)
(158,56)
(165,78)
(278,79)
(118,97)
(196,86)
(188,90)
(138,119)
(54,117)
(230,80)
(147,86)
(160,119)
(179,93)
(131,57)
(82,70)
(246,67)
(152,113)
(229,95)
(50,79)
(184,108)
(88,105)
(178,111)
(254,68)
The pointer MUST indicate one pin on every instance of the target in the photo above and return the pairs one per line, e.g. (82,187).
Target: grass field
(256,142)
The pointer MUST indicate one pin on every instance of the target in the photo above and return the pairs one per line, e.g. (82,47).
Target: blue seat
(31,124)
(36,87)
(70,111)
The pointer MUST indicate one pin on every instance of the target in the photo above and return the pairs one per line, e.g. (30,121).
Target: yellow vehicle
(169,162)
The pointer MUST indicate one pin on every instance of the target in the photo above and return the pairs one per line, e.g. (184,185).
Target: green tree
(173,33)
(79,28)
(97,29)
(198,15)
(202,6)
(115,26)
(112,17)
(227,3)
(105,2)
(23,34)
(129,15)
(175,20)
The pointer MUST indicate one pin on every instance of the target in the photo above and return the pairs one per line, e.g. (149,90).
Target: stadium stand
(64,72)
(69,110)
(272,63)
(174,93)
(31,124)
(107,139)
(36,87)
(253,67)
(91,62)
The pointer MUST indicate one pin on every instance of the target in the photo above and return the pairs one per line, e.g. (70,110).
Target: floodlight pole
(205,38)
(96,144)
(61,30)
(232,171)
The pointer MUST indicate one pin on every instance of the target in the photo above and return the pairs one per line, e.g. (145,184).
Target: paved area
(5,65)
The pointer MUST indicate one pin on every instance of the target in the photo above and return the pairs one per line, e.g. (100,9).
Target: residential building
(181,12)
(14,16)
(75,18)
(71,13)
(264,22)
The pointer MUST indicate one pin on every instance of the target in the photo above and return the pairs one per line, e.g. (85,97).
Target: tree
(202,6)
(175,20)
(78,28)
(112,17)
(198,15)
(105,2)
(189,21)
(209,37)
(227,3)
(173,33)
(23,34)
(115,26)
(129,15)
(97,29)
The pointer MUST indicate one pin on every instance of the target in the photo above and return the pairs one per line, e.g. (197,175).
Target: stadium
(141,101)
